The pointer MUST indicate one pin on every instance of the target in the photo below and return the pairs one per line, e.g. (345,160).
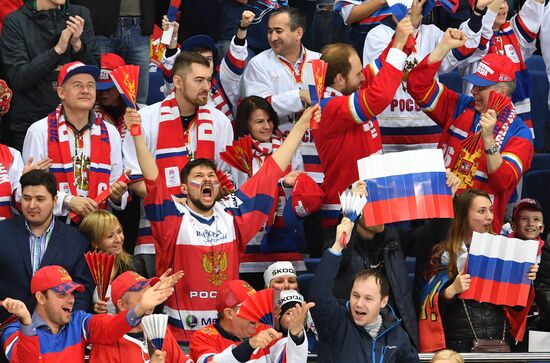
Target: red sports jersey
(206,249)
(455,113)
(349,130)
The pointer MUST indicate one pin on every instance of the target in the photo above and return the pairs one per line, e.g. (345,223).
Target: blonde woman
(447,356)
(106,235)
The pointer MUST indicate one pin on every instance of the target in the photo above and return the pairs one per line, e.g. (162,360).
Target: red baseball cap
(232,293)
(492,69)
(306,199)
(526,203)
(109,62)
(129,281)
(54,278)
(70,69)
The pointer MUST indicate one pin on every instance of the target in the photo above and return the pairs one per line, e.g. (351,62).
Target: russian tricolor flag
(404,186)
(172,14)
(498,267)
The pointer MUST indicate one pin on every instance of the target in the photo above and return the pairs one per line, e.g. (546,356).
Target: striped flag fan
(154,329)
(498,267)
(466,165)
(172,14)
(498,102)
(239,154)
(352,207)
(100,265)
(400,9)
(315,72)
(259,307)
(126,80)
(224,180)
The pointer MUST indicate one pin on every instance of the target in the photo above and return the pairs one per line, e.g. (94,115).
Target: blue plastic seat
(539,106)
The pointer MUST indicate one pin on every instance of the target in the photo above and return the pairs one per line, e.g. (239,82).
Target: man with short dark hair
(276,74)
(203,235)
(36,239)
(55,332)
(367,328)
(349,130)
(178,129)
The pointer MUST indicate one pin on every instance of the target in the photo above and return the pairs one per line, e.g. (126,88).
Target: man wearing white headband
(281,276)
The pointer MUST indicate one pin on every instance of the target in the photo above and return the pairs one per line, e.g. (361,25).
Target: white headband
(281,268)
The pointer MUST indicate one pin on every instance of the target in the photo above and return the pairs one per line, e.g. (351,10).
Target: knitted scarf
(63,166)
(6,159)
(176,146)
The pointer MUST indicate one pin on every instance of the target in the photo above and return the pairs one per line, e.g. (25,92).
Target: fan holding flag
(447,319)
(385,247)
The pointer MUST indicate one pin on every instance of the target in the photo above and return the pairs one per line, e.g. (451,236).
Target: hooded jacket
(341,338)
(32,65)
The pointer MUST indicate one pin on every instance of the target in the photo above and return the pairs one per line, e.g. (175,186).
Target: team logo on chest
(215,264)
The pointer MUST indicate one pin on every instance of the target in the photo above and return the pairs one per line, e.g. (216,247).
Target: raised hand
(532,274)
(168,280)
(17,308)
(63,42)
(487,122)
(152,297)
(131,117)
(82,205)
(402,32)
(459,285)
(43,164)
(345,226)
(452,181)
(298,316)
(246,18)
(76,25)
(100,306)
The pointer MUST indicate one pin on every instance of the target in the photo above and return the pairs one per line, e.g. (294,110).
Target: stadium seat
(311,264)
(539,106)
(303,283)
(534,186)
(541,161)
(452,80)
(156,84)
(535,63)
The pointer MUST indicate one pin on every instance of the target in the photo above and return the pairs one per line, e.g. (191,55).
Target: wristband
(242,27)
(479,11)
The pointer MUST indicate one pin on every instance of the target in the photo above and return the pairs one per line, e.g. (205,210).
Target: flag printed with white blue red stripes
(404,186)
(498,267)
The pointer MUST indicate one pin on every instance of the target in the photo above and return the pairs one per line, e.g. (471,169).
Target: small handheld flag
(352,207)
(239,154)
(497,102)
(259,307)
(101,198)
(400,9)
(315,72)
(126,80)
(172,13)
(154,329)
(100,265)
(405,185)
(498,267)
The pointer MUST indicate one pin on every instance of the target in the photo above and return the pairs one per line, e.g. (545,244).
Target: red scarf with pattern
(62,166)
(6,159)
(176,146)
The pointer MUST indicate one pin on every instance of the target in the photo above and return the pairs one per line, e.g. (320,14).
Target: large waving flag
(404,186)
(498,267)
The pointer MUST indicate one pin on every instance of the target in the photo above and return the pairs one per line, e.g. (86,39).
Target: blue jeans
(128,42)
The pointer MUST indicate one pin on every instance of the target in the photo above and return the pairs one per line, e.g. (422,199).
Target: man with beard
(201,236)
(178,129)
(353,98)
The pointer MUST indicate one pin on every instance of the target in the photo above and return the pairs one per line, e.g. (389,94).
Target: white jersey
(36,146)
(12,175)
(151,118)
(402,124)
(272,77)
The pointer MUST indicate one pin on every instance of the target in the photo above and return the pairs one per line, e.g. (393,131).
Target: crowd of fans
(194,236)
